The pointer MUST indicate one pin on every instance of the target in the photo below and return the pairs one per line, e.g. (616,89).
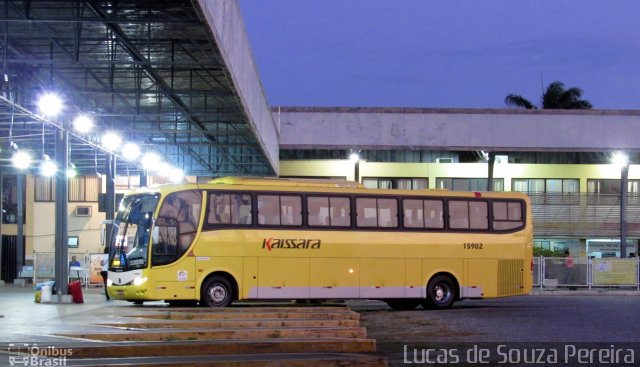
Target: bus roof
(286,182)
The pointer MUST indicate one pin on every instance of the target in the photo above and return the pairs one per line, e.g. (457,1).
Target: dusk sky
(425,53)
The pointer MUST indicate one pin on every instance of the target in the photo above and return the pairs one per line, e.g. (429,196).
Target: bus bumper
(130,292)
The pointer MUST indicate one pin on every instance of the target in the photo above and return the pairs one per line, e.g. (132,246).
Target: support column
(110,196)
(1,216)
(356,172)
(492,160)
(143,179)
(624,194)
(20,222)
(62,198)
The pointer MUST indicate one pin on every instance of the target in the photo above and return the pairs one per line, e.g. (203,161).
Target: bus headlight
(139,281)
(109,282)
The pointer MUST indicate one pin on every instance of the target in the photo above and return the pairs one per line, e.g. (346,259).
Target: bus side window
(268,210)
(318,211)
(478,215)
(434,214)
(413,213)
(340,212)
(507,215)
(367,214)
(219,209)
(291,210)
(240,209)
(458,214)
(387,213)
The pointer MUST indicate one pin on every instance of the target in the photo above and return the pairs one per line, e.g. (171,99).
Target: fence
(552,273)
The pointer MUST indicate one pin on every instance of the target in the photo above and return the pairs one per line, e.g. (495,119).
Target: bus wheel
(216,292)
(138,303)
(403,304)
(441,293)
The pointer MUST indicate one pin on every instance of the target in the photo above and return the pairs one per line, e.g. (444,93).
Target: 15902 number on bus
(472,246)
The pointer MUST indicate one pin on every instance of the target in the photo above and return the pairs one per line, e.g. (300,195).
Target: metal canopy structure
(150,71)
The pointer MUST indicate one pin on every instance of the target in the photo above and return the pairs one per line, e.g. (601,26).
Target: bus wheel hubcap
(440,293)
(218,293)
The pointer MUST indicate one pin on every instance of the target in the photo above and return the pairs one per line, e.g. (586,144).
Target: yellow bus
(262,238)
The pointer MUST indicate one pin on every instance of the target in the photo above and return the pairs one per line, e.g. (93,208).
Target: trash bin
(75,290)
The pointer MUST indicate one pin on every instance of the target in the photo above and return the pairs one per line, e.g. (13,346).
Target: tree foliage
(554,97)
(539,251)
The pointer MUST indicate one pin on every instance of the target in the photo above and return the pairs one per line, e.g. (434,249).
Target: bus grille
(510,277)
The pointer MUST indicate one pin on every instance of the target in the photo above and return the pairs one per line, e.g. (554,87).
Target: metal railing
(581,215)
(551,273)
(44,267)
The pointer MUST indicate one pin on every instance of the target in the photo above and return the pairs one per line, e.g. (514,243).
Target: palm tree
(555,97)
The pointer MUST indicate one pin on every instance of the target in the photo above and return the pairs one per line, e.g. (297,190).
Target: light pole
(355,158)
(621,160)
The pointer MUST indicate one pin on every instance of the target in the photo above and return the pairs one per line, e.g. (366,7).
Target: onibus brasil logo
(32,355)
(290,243)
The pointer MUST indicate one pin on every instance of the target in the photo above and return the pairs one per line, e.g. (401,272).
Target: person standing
(569,265)
(105,271)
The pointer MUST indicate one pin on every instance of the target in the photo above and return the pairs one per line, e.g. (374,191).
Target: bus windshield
(132,226)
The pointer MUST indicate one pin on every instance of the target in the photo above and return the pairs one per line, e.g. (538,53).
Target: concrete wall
(458,129)
(227,27)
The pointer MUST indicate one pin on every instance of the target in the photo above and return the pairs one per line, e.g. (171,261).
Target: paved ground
(557,320)
(551,319)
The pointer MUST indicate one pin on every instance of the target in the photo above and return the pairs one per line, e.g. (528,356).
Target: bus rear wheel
(441,293)
(403,304)
(216,292)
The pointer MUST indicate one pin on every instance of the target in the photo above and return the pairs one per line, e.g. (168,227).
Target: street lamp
(621,160)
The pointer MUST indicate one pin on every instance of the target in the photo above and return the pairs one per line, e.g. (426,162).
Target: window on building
(45,188)
(127,182)
(610,186)
(468,184)
(10,199)
(280,210)
(84,188)
(396,183)
(549,190)
(546,185)
(81,189)
(607,191)
(423,213)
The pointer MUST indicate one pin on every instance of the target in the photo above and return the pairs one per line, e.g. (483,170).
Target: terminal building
(182,85)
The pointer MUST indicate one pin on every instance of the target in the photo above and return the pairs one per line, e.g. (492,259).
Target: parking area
(547,321)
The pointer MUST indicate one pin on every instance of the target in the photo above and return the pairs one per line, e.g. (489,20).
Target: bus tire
(216,292)
(441,293)
(403,304)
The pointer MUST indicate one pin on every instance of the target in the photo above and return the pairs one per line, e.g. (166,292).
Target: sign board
(614,272)
(95,267)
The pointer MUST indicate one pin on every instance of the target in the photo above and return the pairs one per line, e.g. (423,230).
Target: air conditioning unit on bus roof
(444,160)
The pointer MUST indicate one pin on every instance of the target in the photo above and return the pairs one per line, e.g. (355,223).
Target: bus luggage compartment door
(283,278)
